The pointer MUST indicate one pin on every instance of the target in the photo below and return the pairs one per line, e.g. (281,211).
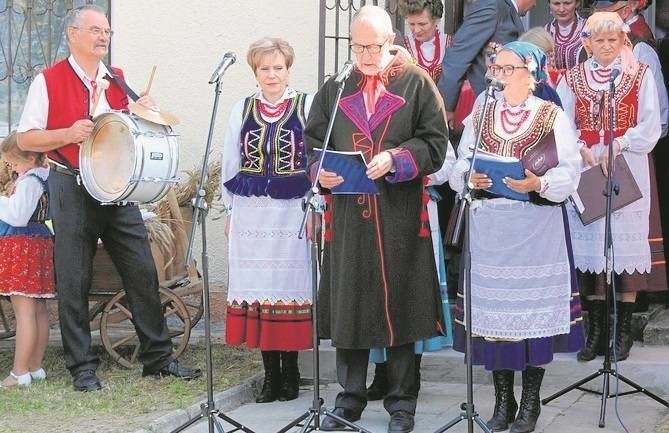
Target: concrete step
(647,366)
(656,331)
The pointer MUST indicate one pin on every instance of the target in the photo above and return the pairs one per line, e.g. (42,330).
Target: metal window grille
(333,39)
(31,39)
(335,18)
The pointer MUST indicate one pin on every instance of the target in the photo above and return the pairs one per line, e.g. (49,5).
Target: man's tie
(94,93)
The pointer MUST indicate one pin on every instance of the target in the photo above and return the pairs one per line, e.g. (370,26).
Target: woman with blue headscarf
(525,303)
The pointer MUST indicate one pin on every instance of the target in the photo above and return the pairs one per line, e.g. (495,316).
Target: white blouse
(559,182)
(17,209)
(231,159)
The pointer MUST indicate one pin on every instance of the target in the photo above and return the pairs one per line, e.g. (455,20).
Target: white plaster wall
(186,40)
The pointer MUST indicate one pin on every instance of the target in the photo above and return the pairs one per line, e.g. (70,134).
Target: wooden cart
(180,295)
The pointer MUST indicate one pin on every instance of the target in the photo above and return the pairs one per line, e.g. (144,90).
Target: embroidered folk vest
(567,48)
(592,106)
(42,209)
(273,155)
(541,125)
(534,139)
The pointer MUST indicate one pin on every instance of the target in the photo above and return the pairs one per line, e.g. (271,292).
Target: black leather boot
(290,377)
(272,384)
(624,339)
(505,402)
(413,390)
(595,344)
(379,387)
(530,404)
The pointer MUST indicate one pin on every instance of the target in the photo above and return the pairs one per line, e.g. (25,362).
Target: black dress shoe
(85,381)
(174,369)
(400,422)
(330,424)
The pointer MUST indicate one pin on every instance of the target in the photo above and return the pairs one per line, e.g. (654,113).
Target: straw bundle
(6,179)
(186,189)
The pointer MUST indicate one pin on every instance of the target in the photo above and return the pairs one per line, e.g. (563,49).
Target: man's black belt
(64,170)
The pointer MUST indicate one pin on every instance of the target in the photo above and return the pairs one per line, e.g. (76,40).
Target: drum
(128,159)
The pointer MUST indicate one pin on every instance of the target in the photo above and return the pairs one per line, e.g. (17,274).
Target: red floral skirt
(26,266)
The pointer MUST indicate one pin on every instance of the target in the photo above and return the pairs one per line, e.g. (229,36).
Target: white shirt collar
(632,19)
(102,71)
(289,93)
(515,5)
(41,172)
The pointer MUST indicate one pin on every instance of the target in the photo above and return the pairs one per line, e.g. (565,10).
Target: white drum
(128,159)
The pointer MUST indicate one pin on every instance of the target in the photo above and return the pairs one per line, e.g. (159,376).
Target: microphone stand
(609,290)
(207,410)
(312,417)
(468,410)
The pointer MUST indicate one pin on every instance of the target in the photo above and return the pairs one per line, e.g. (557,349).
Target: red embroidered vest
(518,146)
(592,106)
(69,101)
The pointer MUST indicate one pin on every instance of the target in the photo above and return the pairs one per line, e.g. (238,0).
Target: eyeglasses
(371,48)
(506,70)
(96,31)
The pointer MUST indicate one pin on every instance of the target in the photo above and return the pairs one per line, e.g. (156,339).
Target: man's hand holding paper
(329,179)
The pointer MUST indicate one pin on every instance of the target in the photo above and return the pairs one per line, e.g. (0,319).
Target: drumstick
(102,86)
(148,86)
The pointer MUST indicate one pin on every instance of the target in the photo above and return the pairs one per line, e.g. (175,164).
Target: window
(31,39)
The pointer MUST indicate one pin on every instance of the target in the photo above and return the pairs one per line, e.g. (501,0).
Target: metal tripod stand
(207,410)
(606,371)
(462,224)
(311,419)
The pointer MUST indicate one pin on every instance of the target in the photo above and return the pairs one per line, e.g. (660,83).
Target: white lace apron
(267,260)
(629,226)
(520,270)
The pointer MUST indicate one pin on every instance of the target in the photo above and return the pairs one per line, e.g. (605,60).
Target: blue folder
(497,168)
(352,167)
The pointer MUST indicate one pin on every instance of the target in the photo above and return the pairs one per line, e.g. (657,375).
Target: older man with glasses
(56,117)
(378,284)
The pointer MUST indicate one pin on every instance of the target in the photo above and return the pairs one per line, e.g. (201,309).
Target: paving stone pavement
(443,391)
(439,403)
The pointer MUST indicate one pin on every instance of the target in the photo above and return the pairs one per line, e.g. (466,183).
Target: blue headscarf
(533,57)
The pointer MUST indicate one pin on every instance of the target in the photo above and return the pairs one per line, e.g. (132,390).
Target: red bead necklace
(429,65)
(559,39)
(270,111)
(601,76)
(512,121)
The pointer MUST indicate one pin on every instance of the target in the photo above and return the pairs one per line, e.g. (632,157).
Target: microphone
(345,72)
(495,83)
(614,74)
(228,59)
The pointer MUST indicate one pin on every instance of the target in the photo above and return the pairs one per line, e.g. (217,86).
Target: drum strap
(121,82)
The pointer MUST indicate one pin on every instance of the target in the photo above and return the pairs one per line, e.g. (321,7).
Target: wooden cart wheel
(118,334)
(7,319)
(189,290)
(192,299)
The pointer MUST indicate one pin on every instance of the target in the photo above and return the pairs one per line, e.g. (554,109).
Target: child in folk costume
(26,260)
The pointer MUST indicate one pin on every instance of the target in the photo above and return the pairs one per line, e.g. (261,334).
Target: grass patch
(127,401)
